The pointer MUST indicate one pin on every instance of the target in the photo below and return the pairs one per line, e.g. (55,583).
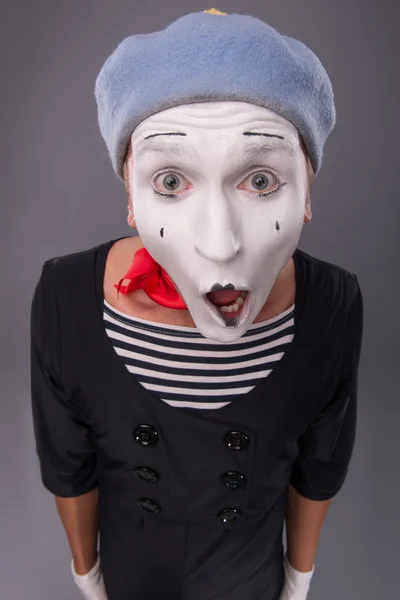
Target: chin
(221,326)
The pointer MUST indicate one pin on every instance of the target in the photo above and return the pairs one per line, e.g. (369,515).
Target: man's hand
(297,583)
(91,584)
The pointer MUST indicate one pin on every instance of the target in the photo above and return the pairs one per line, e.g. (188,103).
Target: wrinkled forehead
(223,120)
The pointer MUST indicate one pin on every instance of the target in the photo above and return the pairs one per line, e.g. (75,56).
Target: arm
(304,520)
(325,450)
(79,518)
(67,455)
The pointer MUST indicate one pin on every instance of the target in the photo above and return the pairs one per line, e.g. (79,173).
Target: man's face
(219,192)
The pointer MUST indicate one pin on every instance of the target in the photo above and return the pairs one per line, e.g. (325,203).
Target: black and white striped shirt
(185,369)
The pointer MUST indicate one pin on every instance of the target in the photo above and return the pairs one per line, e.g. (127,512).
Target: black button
(233,480)
(237,440)
(149,505)
(146,435)
(229,514)
(146,474)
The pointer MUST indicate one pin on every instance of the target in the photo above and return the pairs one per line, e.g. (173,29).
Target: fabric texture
(327,444)
(205,57)
(146,274)
(187,370)
(63,439)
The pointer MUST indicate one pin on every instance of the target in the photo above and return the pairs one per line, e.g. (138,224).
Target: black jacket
(192,505)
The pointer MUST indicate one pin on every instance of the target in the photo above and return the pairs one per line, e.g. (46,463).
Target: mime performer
(194,387)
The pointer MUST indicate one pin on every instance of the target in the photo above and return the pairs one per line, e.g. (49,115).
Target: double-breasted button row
(147,435)
(227,515)
(232,479)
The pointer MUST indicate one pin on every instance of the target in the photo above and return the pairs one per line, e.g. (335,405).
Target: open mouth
(229,305)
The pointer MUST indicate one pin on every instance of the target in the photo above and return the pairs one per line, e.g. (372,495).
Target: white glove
(91,584)
(297,583)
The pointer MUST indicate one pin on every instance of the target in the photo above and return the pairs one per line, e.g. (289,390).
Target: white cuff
(91,584)
(90,575)
(297,581)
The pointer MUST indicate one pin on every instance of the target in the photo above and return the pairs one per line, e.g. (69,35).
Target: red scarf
(146,274)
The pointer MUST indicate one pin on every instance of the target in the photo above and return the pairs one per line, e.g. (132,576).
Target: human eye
(170,184)
(264,182)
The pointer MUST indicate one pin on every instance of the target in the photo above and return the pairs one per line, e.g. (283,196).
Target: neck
(283,294)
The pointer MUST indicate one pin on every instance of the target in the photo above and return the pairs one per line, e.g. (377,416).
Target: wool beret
(212,56)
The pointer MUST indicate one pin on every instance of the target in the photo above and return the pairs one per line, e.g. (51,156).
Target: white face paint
(199,174)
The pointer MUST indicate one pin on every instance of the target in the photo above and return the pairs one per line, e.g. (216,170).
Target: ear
(310,177)
(131,219)
(307,209)
(126,168)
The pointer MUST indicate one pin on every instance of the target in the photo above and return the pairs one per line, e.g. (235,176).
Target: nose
(217,238)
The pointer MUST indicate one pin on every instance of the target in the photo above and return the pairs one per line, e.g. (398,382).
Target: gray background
(59,195)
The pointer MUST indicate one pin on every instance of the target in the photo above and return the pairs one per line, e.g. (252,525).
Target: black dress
(192,505)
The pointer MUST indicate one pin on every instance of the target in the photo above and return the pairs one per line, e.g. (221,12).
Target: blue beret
(204,57)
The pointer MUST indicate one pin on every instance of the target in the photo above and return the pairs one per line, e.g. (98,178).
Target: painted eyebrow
(169,150)
(250,151)
(168,133)
(265,134)
(184,134)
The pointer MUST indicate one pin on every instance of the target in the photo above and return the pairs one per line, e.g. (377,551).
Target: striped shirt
(183,368)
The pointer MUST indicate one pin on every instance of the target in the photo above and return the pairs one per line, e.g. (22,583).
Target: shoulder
(63,275)
(75,262)
(319,264)
(339,281)
(336,291)
(332,290)
(112,255)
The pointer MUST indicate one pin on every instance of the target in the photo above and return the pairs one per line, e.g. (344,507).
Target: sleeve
(326,447)
(67,457)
